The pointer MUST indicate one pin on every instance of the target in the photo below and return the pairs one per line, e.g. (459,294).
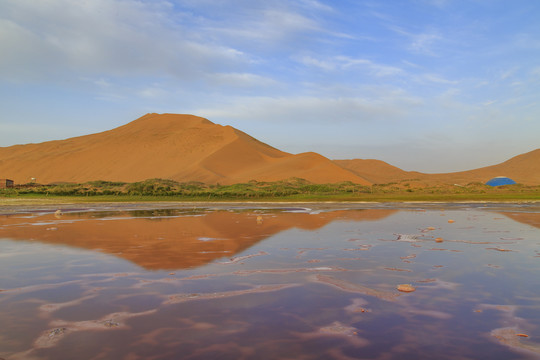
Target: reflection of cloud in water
(513,329)
(440,284)
(289,271)
(431,313)
(357,306)
(337,330)
(49,308)
(110,321)
(180,298)
(354,288)
(236,259)
(38,287)
(509,336)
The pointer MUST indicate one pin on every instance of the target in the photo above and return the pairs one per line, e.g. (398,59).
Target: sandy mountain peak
(180,147)
(186,148)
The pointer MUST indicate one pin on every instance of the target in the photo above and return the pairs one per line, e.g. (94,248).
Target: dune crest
(376,171)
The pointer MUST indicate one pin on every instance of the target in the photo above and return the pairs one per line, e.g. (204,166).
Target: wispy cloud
(535,71)
(348,63)
(435,78)
(311,109)
(438,3)
(425,43)
(317,5)
(152,92)
(240,80)
(270,26)
(507,73)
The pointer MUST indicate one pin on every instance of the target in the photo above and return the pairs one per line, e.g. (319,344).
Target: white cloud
(505,74)
(240,80)
(285,21)
(24,55)
(425,43)
(312,110)
(437,3)
(326,65)
(103,36)
(111,97)
(339,63)
(535,71)
(267,29)
(527,41)
(317,5)
(100,82)
(152,92)
(435,78)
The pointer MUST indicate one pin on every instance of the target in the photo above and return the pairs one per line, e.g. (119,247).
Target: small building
(6,183)
(500,180)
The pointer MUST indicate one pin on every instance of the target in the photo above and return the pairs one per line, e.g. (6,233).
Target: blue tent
(500,180)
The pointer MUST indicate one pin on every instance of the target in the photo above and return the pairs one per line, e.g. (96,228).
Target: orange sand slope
(524,169)
(168,146)
(190,148)
(376,171)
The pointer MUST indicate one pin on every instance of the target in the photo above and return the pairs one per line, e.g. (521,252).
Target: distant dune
(524,169)
(190,148)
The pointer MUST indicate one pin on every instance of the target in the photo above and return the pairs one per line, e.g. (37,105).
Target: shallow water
(230,282)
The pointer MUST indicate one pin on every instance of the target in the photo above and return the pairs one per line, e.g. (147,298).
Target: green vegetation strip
(289,190)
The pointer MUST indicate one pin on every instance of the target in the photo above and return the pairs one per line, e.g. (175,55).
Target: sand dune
(376,171)
(190,148)
(168,146)
(310,166)
(524,169)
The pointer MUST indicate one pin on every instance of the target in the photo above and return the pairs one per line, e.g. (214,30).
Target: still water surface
(230,282)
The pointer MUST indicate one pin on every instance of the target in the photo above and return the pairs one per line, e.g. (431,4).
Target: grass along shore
(292,190)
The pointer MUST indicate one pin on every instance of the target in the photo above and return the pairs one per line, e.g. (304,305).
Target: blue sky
(426,85)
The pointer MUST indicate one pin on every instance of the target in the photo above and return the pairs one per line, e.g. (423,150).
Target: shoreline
(46,205)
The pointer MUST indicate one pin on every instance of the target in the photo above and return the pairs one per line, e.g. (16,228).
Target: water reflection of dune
(532,219)
(170,242)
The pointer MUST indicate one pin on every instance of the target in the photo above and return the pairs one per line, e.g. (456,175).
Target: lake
(281,281)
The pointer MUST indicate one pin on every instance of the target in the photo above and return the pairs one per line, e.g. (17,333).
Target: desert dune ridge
(187,148)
